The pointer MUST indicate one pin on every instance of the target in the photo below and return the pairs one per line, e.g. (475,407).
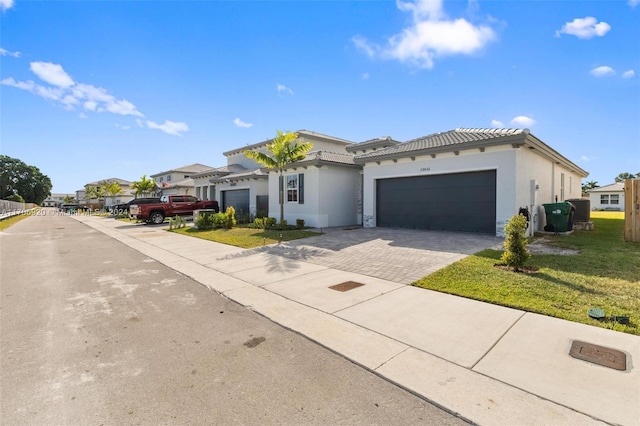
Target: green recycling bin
(559,216)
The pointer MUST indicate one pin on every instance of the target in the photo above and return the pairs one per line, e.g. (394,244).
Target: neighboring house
(467,179)
(251,189)
(55,200)
(127,194)
(180,180)
(609,197)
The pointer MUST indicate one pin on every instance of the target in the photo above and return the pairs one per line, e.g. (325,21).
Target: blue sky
(98,89)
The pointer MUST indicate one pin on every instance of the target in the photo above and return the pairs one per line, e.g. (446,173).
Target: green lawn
(605,274)
(246,237)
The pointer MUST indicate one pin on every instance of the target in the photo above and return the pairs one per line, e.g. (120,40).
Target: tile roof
(383,141)
(450,139)
(248,174)
(191,168)
(299,132)
(614,187)
(333,157)
(221,171)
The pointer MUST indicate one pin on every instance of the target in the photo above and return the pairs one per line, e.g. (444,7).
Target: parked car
(69,208)
(123,208)
(170,205)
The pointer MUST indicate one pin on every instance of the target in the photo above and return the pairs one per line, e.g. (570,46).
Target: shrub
(300,223)
(515,244)
(263,223)
(177,222)
(206,221)
(229,218)
(15,197)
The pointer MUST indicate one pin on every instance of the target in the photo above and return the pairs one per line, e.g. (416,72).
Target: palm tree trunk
(281,194)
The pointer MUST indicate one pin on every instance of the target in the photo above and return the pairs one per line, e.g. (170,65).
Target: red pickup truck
(169,206)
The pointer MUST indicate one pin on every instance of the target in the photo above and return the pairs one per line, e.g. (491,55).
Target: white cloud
(430,36)
(629,73)
(282,88)
(584,28)
(523,121)
(169,127)
(633,3)
(69,94)
(6,4)
(365,76)
(5,52)
(240,123)
(497,123)
(52,74)
(602,71)
(122,127)
(585,158)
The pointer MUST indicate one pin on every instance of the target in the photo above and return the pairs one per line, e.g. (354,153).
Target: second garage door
(238,198)
(452,202)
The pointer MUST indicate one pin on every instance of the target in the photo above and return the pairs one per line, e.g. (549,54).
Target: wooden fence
(632,210)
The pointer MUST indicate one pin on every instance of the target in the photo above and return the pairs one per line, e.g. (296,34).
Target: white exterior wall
(330,197)
(501,159)
(204,189)
(534,171)
(255,186)
(594,198)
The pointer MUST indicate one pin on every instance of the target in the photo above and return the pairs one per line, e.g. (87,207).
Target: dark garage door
(238,198)
(453,202)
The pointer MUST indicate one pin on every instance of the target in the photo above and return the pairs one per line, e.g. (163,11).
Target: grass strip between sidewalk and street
(605,273)
(5,223)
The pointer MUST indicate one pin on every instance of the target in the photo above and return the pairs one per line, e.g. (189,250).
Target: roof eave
(515,140)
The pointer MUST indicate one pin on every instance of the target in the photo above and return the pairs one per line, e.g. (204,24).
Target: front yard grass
(605,274)
(246,237)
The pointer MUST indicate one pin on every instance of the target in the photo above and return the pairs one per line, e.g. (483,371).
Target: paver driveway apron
(399,255)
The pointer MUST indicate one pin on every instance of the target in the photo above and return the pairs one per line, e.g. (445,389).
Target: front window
(292,188)
(604,199)
(169,178)
(615,199)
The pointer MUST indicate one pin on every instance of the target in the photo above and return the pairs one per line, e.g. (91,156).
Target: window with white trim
(292,188)
(294,185)
(614,199)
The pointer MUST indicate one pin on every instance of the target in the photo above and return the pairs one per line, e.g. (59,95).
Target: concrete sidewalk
(489,364)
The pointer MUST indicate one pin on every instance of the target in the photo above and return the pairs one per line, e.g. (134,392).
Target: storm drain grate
(600,355)
(346,286)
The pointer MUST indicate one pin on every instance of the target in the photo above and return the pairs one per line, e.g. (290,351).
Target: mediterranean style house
(466,179)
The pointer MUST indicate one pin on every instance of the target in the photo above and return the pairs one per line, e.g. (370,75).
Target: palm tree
(283,150)
(626,175)
(91,192)
(111,189)
(144,186)
(588,186)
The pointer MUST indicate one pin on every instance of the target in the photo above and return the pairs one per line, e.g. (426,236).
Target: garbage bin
(559,216)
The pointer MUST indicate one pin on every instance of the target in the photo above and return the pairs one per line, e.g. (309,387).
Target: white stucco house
(127,194)
(179,180)
(467,179)
(608,197)
(316,188)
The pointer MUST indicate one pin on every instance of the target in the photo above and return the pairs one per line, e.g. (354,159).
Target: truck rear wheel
(156,218)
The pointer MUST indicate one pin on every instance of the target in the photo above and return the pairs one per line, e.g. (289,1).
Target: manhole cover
(600,355)
(346,286)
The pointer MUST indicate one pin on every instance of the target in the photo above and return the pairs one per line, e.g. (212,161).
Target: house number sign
(425,169)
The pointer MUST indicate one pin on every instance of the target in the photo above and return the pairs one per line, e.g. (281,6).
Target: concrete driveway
(399,255)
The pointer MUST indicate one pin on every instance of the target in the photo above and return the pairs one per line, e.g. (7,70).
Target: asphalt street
(94,332)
